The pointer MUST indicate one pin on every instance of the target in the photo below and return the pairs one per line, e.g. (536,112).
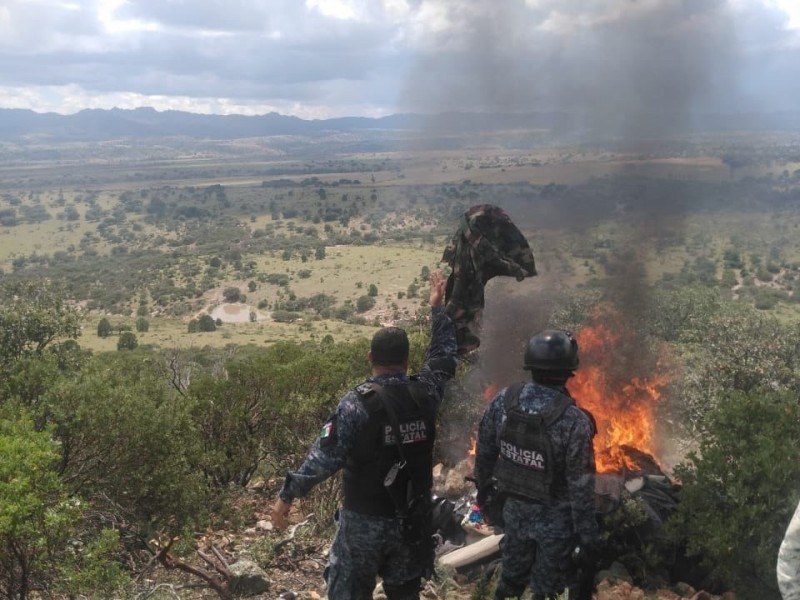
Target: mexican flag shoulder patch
(326,430)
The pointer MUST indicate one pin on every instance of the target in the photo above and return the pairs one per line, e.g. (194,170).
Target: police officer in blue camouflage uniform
(535,450)
(384,426)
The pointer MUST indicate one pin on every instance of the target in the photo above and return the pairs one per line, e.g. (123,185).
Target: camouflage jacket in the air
(573,504)
(487,244)
(338,435)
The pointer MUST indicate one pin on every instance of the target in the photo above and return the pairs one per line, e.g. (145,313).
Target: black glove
(586,552)
(491,503)
(483,495)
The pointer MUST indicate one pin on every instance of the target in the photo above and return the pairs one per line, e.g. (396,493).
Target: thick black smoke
(626,68)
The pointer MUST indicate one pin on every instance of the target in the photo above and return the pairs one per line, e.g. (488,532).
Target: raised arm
(441,356)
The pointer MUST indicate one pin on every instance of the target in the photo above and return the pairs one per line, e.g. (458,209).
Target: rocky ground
(294,561)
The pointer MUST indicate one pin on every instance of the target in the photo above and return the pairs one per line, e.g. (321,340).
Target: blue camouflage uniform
(368,545)
(540,535)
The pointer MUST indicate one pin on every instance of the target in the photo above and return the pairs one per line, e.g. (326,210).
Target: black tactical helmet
(552,350)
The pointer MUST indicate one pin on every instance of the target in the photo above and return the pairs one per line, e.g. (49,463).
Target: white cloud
(377,56)
(338,9)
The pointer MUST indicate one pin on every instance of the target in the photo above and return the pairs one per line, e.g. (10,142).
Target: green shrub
(232,294)
(740,489)
(104,328)
(284,316)
(269,405)
(206,323)
(127,341)
(36,516)
(364,303)
(127,441)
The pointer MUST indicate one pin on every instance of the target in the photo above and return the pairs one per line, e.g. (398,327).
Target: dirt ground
(294,562)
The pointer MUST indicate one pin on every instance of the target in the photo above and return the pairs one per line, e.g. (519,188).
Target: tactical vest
(375,451)
(526,466)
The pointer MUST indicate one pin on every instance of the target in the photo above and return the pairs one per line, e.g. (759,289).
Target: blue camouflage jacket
(339,433)
(573,506)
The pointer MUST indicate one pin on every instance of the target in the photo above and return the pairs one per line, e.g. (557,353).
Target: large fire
(623,408)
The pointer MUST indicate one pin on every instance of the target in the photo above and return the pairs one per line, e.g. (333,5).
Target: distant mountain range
(19,125)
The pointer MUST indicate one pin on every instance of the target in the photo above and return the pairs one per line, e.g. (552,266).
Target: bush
(206,323)
(104,328)
(127,341)
(740,489)
(284,316)
(128,443)
(269,405)
(232,294)
(142,325)
(364,303)
(36,517)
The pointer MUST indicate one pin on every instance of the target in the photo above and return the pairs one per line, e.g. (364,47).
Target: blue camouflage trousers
(366,547)
(535,550)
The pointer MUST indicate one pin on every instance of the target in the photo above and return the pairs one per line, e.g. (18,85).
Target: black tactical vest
(526,466)
(376,449)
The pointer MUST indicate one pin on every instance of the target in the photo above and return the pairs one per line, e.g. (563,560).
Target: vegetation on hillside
(132,409)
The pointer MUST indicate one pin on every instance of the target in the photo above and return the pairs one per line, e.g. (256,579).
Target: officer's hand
(438,284)
(280,514)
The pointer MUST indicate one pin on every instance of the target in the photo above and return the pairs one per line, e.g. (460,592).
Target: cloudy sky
(326,58)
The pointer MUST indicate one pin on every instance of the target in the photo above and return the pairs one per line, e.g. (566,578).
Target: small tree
(232,294)
(127,341)
(104,328)
(142,325)
(740,489)
(319,253)
(252,286)
(364,303)
(35,516)
(206,323)
(373,290)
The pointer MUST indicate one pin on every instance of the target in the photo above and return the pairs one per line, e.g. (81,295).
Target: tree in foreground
(740,490)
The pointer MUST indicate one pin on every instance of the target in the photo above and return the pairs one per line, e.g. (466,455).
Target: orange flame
(624,411)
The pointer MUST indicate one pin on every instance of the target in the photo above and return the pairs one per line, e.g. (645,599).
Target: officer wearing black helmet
(535,446)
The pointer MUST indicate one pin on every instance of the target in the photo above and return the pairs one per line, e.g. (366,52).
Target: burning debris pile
(621,386)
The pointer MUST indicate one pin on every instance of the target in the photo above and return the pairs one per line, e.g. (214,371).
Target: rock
(256,484)
(454,484)
(623,590)
(616,572)
(684,590)
(248,578)
(701,595)
(264,525)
